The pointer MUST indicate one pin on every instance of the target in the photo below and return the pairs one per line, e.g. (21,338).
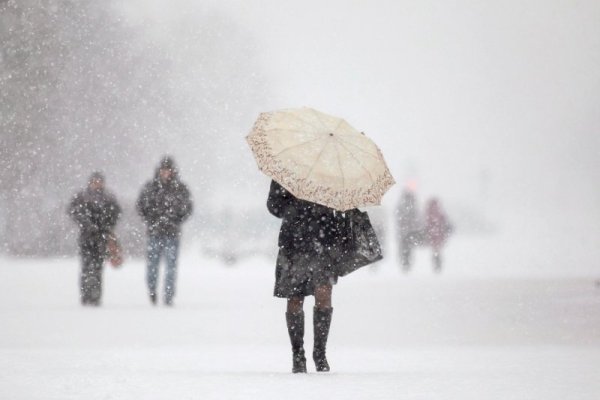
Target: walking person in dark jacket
(408,227)
(310,240)
(96,211)
(164,204)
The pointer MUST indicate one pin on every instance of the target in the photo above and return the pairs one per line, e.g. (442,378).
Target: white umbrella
(320,158)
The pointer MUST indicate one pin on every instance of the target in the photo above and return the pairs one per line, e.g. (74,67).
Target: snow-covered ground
(394,336)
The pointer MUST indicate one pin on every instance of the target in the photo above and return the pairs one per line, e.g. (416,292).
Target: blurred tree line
(84,88)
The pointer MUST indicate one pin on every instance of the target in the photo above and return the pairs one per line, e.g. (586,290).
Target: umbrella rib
(359,148)
(303,121)
(286,130)
(316,161)
(298,145)
(318,118)
(358,161)
(338,125)
(337,150)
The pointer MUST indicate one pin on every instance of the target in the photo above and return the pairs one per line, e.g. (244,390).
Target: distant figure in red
(437,230)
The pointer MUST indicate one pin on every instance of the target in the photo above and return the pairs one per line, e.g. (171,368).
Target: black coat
(164,206)
(96,212)
(316,232)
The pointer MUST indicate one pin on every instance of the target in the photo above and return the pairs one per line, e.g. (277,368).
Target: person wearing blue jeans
(164,204)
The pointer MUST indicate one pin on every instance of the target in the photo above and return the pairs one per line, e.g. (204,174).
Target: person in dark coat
(96,211)
(164,204)
(311,238)
(408,225)
(437,230)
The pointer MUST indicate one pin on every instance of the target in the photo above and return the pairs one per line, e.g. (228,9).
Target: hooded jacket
(96,212)
(164,206)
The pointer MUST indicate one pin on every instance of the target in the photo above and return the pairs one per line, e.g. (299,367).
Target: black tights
(322,300)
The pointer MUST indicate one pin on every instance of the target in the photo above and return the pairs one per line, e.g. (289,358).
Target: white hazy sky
(448,89)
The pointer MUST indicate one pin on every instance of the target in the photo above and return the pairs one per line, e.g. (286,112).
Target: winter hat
(167,163)
(96,176)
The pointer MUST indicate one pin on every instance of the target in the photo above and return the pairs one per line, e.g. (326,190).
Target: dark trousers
(93,253)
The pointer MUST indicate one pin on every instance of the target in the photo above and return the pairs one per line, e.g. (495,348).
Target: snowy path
(393,337)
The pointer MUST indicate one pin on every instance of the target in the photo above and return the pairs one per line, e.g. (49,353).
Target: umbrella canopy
(320,158)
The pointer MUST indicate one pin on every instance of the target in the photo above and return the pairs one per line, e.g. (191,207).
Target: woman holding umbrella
(310,237)
(322,170)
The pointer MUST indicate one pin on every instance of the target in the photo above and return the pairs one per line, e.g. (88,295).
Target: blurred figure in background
(437,230)
(96,211)
(164,204)
(408,225)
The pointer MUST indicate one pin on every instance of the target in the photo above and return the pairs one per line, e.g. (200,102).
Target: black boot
(295,325)
(321,324)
